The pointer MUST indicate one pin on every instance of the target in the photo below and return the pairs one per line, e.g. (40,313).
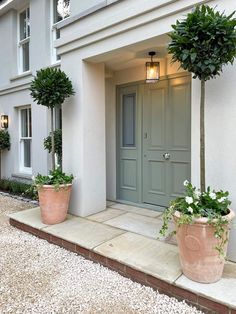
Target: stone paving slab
(110,203)
(83,232)
(137,210)
(143,225)
(106,215)
(148,255)
(224,290)
(29,217)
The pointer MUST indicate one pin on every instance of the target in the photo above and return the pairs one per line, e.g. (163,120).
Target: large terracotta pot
(199,259)
(54,203)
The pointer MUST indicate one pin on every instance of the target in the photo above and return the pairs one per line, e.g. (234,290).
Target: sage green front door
(154,141)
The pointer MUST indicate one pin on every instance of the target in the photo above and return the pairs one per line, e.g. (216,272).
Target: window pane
(128,125)
(24,123)
(28,22)
(25,56)
(27,153)
(23,25)
(56,16)
(30,124)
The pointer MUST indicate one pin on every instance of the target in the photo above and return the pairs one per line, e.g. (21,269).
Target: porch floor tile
(106,215)
(151,256)
(143,225)
(83,232)
(137,210)
(224,290)
(29,217)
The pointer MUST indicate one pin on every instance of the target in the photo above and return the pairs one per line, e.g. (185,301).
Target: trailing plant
(4,140)
(50,88)
(212,205)
(56,178)
(204,43)
(57,144)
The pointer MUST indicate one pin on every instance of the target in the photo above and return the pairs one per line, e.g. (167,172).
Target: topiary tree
(50,88)
(58,144)
(4,140)
(203,43)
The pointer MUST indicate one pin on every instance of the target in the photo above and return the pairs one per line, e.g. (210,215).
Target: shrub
(58,144)
(18,188)
(4,140)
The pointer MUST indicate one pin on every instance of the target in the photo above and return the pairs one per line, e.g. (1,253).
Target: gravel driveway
(38,277)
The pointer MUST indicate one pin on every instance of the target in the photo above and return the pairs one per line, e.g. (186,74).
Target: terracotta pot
(54,203)
(199,259)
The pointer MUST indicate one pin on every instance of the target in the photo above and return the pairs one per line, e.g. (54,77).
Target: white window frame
(22,168)
(54,56)
(21,42)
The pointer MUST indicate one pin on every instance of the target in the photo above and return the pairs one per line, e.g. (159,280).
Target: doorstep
(124,240)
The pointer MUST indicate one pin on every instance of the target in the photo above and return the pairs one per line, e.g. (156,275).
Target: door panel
(166,142)
(128,155)
(154,143)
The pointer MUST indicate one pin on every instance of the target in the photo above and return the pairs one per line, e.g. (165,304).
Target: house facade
(123,139)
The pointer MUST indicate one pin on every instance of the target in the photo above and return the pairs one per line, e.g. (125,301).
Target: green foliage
(58,144)
(17,188)
(4,140)
(51,87)
(204,42)
(55,178)
(195,204)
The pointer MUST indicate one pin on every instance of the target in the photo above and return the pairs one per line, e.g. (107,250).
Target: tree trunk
(53,143)
(202,136)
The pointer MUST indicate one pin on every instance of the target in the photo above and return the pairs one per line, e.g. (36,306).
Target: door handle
(145,135)
(166,156)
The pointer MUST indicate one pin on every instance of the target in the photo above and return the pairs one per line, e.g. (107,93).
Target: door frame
(139,85)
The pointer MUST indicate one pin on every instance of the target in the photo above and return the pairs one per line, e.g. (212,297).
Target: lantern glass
(4,121)
(152,72)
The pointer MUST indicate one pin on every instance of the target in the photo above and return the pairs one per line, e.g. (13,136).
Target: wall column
(83,125)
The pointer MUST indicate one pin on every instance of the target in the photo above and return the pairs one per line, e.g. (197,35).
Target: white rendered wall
(84,135)
(80,6)
(14,88)
(8,55)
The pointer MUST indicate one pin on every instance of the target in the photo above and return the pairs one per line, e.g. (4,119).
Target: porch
(124,238)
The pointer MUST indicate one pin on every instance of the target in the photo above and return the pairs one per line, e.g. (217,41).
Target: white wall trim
(85,13)
(9,89)
(101,31)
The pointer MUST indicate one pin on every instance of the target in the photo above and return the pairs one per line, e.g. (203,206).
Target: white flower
(189,199)
(50,177)
(212,195)
(33,178)
(185,183)
(197,194)
(222,199)
(190,210)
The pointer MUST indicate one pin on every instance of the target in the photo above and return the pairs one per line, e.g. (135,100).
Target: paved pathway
(38,277)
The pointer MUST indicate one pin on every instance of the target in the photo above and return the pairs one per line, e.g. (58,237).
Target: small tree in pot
(50,88)
(202,43)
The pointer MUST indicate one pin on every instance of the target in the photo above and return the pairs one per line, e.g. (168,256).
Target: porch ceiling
(133,55)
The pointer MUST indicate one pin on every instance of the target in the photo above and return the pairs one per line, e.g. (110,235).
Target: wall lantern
(152,69)
(4,121)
